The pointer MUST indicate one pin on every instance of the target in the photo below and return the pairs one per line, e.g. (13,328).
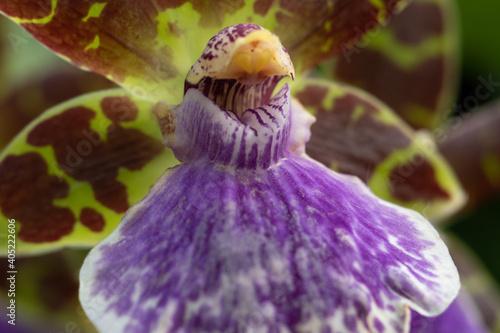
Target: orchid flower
(247,224)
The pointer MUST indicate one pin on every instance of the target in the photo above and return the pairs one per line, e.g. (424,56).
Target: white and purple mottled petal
(251,235)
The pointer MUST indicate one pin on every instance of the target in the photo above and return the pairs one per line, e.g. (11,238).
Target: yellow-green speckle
(95,10)
(358,112)
(419,115)
(94,45)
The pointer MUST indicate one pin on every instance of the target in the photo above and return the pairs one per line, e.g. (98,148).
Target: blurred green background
(481,57)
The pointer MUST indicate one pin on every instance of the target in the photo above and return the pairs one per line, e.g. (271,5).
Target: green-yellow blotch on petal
(94,45)
(42,20)
(95,10)
(91,158)
(407,56)
(404,165)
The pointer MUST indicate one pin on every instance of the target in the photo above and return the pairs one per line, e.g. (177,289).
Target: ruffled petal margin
(294,247)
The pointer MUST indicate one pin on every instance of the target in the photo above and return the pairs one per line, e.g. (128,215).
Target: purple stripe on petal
(258,140)
(294,247)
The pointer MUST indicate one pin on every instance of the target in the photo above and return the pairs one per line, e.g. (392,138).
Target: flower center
(228,117)
(240,68)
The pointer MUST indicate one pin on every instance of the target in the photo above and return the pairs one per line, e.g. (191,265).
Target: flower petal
(78,162)
(471,144)
(142,45)
(226,252)
(460,317)
(313,31)
(357,134)
(412,64)
(224,245)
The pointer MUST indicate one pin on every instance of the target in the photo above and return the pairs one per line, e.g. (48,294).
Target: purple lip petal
(250,235)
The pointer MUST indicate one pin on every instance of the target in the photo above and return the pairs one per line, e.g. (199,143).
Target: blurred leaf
(86,160)
(411,64)
(142,45)
(471,144)
(357,134)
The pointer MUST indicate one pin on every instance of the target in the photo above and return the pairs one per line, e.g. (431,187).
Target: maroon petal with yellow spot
(472,146)
(71,174)
(148,47)
(357,134)
(411,64)
(312,31)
